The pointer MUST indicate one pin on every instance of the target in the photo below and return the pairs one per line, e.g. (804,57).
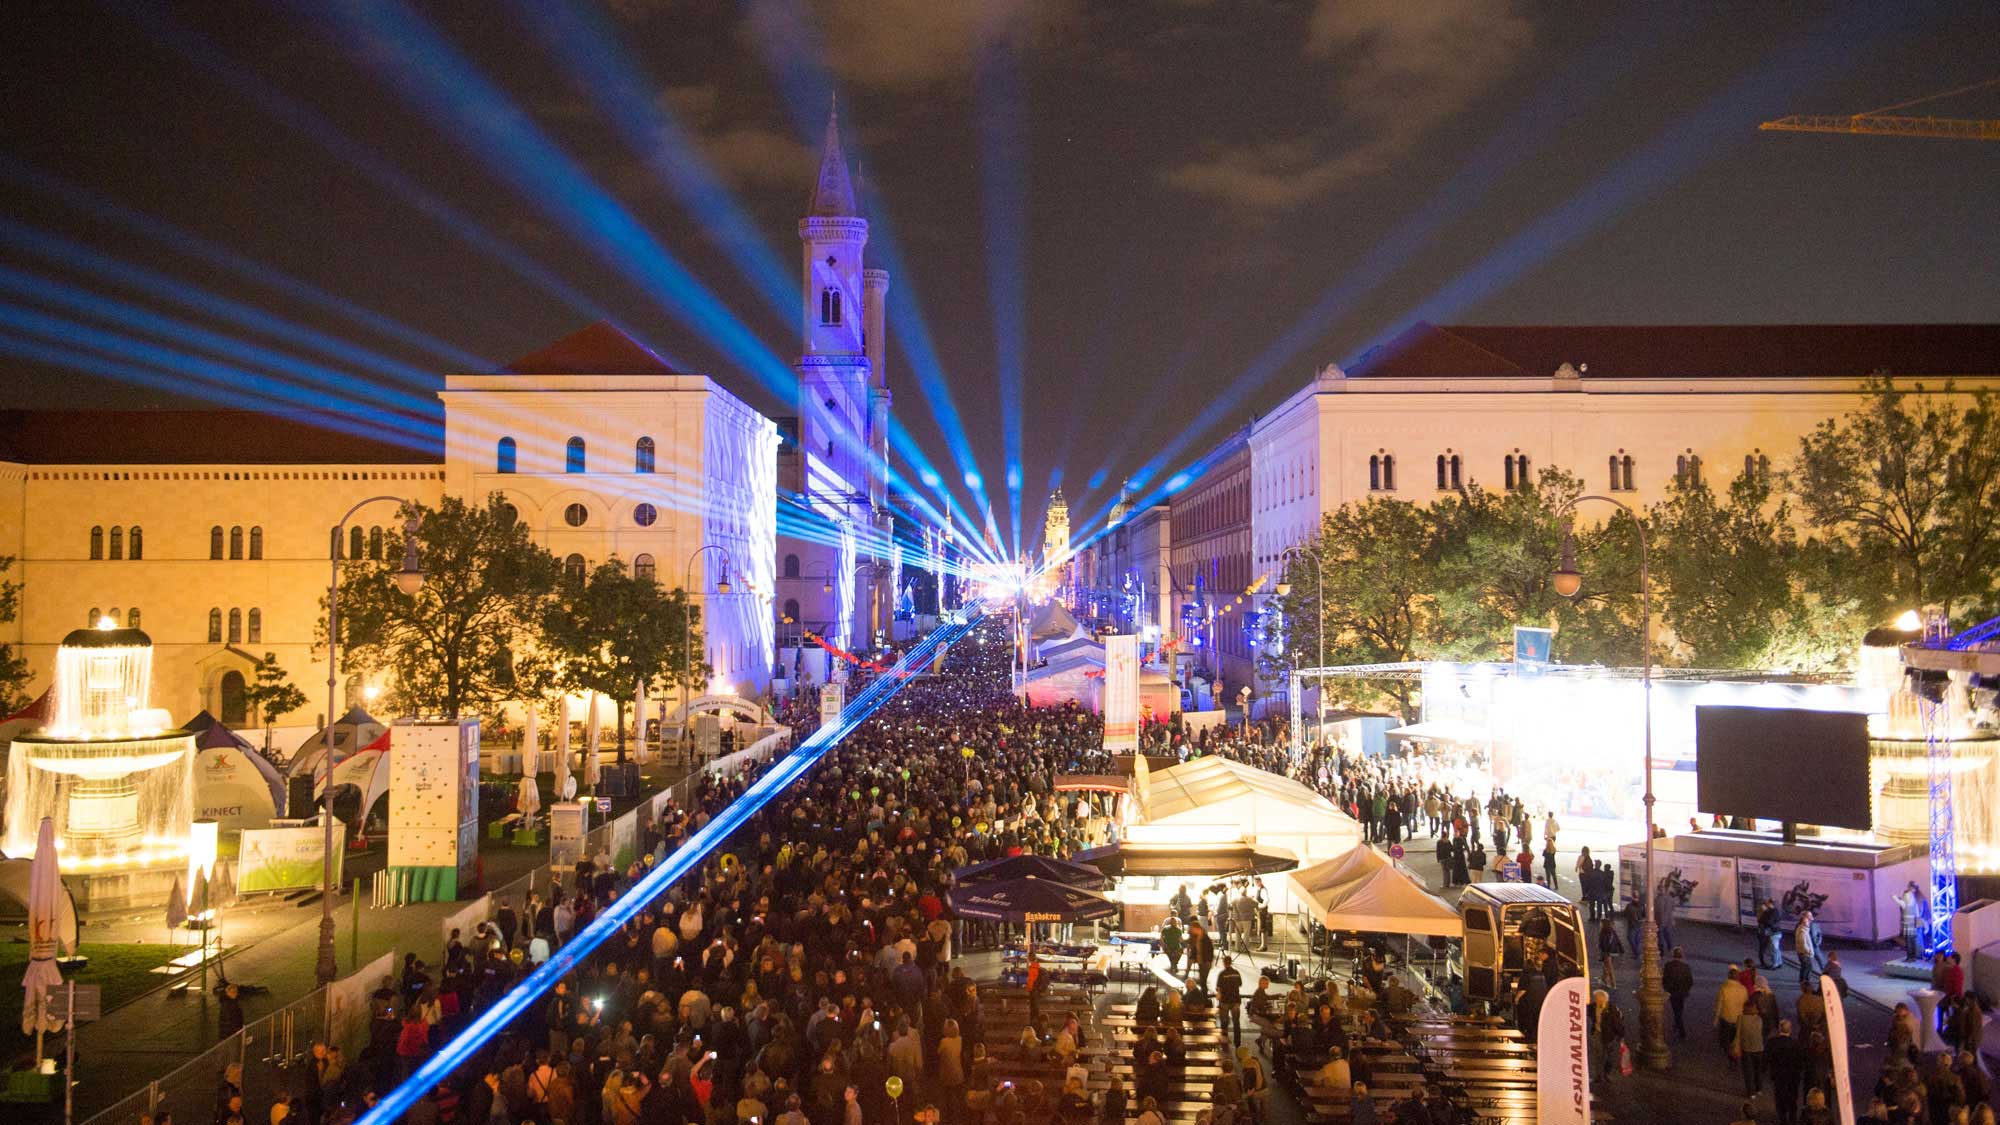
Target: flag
(1562,1054)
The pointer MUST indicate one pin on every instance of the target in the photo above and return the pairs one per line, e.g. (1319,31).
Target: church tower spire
(833,194)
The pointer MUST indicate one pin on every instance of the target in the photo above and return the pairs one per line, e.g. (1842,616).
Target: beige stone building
(211,530)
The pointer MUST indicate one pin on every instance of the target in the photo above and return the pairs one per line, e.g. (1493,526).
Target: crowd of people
(806,963)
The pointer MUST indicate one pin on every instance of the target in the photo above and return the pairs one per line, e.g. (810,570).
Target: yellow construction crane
(1880,122)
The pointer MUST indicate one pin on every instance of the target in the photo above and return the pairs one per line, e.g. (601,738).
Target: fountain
(111,772)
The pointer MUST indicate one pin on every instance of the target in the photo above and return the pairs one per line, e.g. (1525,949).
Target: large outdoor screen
(1777,763)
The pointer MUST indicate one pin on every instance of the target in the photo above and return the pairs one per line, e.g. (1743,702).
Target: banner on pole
(1836,1042)
(1562,1054)
(1121,694)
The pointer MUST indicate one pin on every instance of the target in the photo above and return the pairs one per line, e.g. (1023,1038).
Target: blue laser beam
(683,861)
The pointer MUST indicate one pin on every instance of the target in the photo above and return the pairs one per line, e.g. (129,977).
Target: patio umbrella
(592,732)
(44,887)
(565,783)
(1030,866)
(531,743)
(1029,899)
(177,910)
(639,722)
(530,801)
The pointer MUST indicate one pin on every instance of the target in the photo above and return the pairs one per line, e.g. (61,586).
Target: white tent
(1364,891)
(367,771)
(351,731)
(233,784)
(1262,807)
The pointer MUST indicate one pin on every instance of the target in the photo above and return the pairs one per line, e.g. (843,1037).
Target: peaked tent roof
(1212,780)
(833,194)
(601,348)
(1363,891)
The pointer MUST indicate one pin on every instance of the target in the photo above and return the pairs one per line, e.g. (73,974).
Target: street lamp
(409,580)
(1300,551)
(687,633)
(1567,581)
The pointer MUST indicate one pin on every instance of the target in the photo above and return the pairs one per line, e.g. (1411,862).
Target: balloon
(894,1085)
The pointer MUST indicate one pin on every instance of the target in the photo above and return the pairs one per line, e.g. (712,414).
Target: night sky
(1141,208)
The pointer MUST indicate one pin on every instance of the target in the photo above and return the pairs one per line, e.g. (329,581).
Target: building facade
(1211,560)
(211,530)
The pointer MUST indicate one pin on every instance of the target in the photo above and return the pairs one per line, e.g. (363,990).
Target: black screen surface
(1776,763)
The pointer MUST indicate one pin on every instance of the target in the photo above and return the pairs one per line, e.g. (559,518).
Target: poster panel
(832,700)
(567,824)
(624,840)
(1121,694)
(1838,897)
(1704,885)
(282,859)
(1562,1062)
(347,1003)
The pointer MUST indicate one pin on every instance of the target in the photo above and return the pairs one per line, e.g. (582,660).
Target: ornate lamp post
(410,579)
(1567,581)
(1301,551)
(687,633)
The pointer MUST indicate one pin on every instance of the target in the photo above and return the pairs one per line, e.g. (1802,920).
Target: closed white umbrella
(530,800)
(592,734)
(565,784)
(639,721)
(531,743)
(44,889)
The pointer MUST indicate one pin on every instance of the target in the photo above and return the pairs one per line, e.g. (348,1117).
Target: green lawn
(123,971)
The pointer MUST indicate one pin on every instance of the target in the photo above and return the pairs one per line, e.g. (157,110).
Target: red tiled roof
(213,437)
(1686,351)
(598,349)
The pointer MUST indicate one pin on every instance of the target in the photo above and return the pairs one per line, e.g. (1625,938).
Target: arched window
(576,515)
(573,568)
(791,566)
(509,515)
(235,707)
(1687,468)
(117,542)
(132,618)
(1627,465)
(1375,473)
(645,515)
(503,456)
(215,542)
(235,625)
(256,626)
(642,456)
(642,568)
(1612,465)
(791,611)
(357,543)
(235,542)
(334,551)
(257,542)
(96,615)
(97,542)
(375,542)
(138,543)
(1442,477)
(1454,471)
(829,306)
(215,626)
(1388,472)
(573,461)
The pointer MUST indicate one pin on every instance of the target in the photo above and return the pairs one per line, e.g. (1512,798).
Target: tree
(614,631)
(1496,555)
(450,645)
(272,694)
(1378,560)
(1910,483)
(1725,571)
(14,674)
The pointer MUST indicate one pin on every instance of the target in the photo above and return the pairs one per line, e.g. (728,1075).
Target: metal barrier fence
(274,1052)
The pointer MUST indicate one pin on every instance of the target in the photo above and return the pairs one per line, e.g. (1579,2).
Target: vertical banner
(1836,1042)
(1121,694)
(1562,1054)
(832,699)
(1295,688)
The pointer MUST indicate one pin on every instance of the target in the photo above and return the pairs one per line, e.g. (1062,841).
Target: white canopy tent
(1212,794)
(1364,891)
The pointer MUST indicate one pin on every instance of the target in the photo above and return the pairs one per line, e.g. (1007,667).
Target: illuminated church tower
(844,406)
(1055,543)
